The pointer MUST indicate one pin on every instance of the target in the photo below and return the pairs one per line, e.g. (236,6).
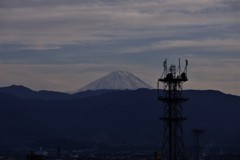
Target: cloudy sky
(63,45)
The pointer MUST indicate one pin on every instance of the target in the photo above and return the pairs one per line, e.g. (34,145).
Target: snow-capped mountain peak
(117,80)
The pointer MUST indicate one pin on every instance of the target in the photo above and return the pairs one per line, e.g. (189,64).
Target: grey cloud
(60,32)
(69,24)
(36,3)
(233,5)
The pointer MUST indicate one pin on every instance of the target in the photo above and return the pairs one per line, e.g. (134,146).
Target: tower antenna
(173,146)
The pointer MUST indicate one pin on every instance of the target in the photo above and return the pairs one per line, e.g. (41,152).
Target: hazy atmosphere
(63,45)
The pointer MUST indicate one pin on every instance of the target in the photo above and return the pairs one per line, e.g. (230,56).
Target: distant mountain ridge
(24,92)
(27,93)
(120,80)
(122,117)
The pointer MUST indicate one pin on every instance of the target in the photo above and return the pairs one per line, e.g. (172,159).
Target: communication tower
(198,148)
(173,78)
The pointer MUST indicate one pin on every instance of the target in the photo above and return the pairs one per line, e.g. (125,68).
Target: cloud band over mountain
(50,41)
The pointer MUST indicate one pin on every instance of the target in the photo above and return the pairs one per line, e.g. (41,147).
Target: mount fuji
(120,80)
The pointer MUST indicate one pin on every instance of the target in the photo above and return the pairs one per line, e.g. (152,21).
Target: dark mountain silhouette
(26,93)
(116,118)
(16,90)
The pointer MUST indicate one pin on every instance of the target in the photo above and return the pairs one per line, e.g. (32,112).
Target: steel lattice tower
(198,148)
(173,79)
